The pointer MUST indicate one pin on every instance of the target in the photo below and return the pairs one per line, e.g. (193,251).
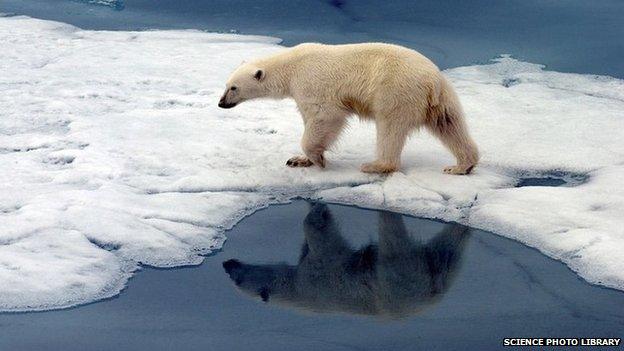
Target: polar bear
(398,88)
(396,277)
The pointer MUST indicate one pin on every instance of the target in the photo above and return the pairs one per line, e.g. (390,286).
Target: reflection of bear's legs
(322,128)
(322,235)
(393,237)
(444,253)
(391,136)
(450,240)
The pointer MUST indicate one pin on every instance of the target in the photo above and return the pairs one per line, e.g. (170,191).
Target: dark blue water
(565,35)
(547,181)
(315,277)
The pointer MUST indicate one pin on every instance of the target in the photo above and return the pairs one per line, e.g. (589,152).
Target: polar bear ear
(259,75)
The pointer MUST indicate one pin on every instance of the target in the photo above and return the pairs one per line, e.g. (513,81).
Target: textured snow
(114,154)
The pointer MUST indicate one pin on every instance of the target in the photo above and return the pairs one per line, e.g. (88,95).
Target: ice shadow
(396,277)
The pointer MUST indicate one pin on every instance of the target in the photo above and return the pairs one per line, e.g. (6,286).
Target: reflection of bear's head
(259,280)
(395,277)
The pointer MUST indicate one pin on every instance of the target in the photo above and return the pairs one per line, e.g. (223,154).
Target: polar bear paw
(378,167)
(458,170)
(299,161)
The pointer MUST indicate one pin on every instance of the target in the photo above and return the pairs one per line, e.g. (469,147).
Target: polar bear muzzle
(224,103)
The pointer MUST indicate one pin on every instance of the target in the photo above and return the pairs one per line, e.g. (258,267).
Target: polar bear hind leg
(392,133)
(451,129)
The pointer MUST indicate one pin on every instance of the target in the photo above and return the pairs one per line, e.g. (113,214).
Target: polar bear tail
(445,119)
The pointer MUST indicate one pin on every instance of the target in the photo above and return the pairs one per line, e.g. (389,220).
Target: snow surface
(113,154)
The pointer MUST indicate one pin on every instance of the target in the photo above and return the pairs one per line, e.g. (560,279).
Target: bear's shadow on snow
(396,277)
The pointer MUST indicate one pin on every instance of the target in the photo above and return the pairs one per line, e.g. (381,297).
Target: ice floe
(113,154)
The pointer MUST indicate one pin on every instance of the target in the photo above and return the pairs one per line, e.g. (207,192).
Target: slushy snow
(113,154)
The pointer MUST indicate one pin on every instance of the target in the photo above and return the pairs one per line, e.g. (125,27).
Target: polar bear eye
(259,74)
(233,88)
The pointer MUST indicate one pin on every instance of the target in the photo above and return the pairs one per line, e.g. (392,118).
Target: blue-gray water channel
(310,276)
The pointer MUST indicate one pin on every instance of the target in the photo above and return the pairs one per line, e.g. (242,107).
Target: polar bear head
(246,83)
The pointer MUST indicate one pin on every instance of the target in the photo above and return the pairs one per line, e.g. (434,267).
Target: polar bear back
(366,78)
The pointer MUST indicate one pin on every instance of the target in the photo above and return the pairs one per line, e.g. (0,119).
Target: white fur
(400,89)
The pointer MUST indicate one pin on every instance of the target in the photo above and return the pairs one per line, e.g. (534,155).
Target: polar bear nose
(223,101)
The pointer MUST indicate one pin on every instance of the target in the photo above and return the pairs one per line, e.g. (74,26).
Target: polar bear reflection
(394,278)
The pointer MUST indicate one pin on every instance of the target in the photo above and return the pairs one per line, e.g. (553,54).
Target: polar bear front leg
(299,161)
(312,146)
(321,130)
